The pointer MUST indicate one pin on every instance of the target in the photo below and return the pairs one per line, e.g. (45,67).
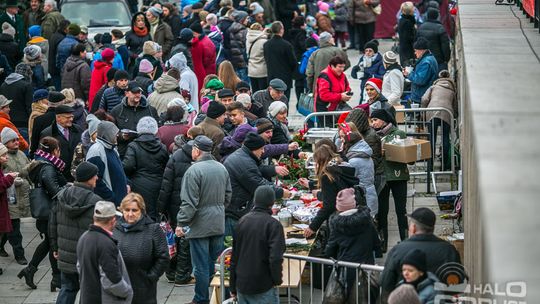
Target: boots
(55,282)
(28,274)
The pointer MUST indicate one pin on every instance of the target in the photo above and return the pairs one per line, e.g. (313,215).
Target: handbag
(304,105)
(336,289)
(40,202)
(377,9)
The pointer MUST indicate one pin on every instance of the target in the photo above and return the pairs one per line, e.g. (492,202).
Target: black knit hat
(416,258)
(373,44)
(56,97)
(432,14)
(121,74)
(264,196)
(384,115)
(110,74)
(196,28)
(421,44)
(85,171)
(254,141)
(263,125)
(215,110)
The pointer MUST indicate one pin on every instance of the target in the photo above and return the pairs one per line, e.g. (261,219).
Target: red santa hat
(376,83)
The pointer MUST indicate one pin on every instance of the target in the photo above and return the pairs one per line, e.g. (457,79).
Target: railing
(363,278)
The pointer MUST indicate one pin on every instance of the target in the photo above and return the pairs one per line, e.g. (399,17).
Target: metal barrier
(363,278)
(412,118)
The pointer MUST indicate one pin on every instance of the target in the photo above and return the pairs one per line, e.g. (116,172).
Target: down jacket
(442,94)
(439,43)
(238,33)
(166,88)
(64,50)
(359,156)
(17,163)
(76,75)
(111,98)
(255,53)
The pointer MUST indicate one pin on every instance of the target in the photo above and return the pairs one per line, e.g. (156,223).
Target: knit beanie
(85,171)
(34,31)
(376,83)
(40,94)
(214,84)
(239,15)
(253,141)
(196,28)
(404,294)
(359,118)
(372,44)
(276,107)
(345,200)
(264,196)
(92,121)
(74,29)
(242,131)
(3,149)
(145,66)
(110,74)
(256,8)
(121,74)
(8,135)
(390,57)
(149,48)
(323,6)
(156,11)
(383,115)
(32,52)
(324,37)
(106,38)
(147,125)
(186,35)
(8,29)
(107,54)
(215,110)
(421,44)
(244,99)
(416,258)
(263,125)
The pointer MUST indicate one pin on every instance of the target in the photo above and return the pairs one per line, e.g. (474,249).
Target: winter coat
(70,218)
(44,45)
(425,288)
(243,168)
(438,252)
(224,24)
(324,23)
(38,109)
(145,253)
(422,77)
(98,80)
(164,37)
(261,100)
(341,18)
(297,38)
(20,30)
(4,64)
(394,171)
(44,173)
(67,147)
(238,33)
(39,78)
(442,94)
(64,50)
(359,157)
(393,83)
(329,89)
(439,43)
(212,130)
(280,60)
(227,147)
(102,273)
(10,49)
(170,130)
(5,183)
(175,23)
(111,98)
(280,132)
(255,41)
(171,186)
(360,13)
(134,42)
(32,17)
(257,257)
(344,177)
(206,190)
(374,142)
(17,163)
(76,75)
(145,82)
(50,23)
(20,91)
(5,122)
(379,102)
(203,53)
(353,237)
(41,123)
(284,10)
(188,79)
(165,89)
(320,59)
(407,35)
(54,41)
(144,164)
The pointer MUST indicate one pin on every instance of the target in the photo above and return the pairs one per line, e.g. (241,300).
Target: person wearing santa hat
(375,98)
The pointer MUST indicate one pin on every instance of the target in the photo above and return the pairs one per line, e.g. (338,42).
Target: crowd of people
(180,119)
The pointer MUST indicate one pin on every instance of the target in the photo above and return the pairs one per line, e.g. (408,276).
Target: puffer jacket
(442,94)
(18,89)
(144,164)
(165,89)
(359,156)
(144,249)
(340,21)
(171,186)
(17,163)
(64,50)
(76,75)
(70,218)
(370,137)
(227,147)
(10,49)
(39,78)
(144,81)
(439,43)
(255,41)
(243,168)
(111,98)
(360,13)
(97,80)
(238,33)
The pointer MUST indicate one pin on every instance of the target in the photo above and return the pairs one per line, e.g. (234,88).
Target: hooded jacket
(144,164)
(76,75)
(70,218)
(359,156)
(134,42)
(184,48)
(20,91)
(442,94)
(372,139)
(165,89)
(98,79)
(188,79)
(255,53)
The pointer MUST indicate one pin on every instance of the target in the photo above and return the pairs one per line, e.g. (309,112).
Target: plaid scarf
(57,162)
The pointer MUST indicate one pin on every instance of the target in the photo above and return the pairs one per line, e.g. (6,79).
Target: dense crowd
(180,120)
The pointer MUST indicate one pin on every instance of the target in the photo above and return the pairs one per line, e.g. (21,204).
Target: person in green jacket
(13,18)
(396,175)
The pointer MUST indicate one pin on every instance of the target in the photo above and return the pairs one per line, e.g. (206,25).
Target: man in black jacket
(279,57)
(435,34)
(18,87)
(58,36)
(70,218)
(103,274)
(43,121)
(438,251)
(67,134)
(258,248)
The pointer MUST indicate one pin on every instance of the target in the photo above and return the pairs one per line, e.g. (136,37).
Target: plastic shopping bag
(169,235)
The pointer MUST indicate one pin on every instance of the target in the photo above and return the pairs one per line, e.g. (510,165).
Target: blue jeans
(204,252)
(230,226)
(69,288)
(268,297)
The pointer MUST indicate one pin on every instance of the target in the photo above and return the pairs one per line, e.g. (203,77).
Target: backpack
(305,59)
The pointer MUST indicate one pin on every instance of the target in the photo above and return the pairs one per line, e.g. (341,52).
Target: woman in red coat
(203,54)
(332,89)
(99,74)
(6,181)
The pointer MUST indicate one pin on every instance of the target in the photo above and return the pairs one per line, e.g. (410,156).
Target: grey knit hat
(404,294)
(147,125)
(8,135)
(32,52)
(8,29)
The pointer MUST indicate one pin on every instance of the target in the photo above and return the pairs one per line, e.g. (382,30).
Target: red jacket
(329,90)
(203,54)
(5,221)
(99,78)
(5,122)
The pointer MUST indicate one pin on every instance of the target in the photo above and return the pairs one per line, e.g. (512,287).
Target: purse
(304,105)
(336,289)
(40,202)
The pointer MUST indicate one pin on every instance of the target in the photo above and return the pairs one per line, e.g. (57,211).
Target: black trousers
(258,84)
(44,248)
(364,33)
(14,238)
(399,192)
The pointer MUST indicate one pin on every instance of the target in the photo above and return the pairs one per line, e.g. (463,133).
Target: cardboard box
(400,116)
(408,153)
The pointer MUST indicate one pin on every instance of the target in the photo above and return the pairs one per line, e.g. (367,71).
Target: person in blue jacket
(425,71)
(106,42)
(64,47)
(371,64)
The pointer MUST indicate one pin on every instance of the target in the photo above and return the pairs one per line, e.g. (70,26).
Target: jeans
(70,288)
(230,226)
(268,297)
(399,192)
(15,238)
(242,74)
(433,125)
(204,252)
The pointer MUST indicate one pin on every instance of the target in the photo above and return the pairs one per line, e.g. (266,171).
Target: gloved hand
(354,72)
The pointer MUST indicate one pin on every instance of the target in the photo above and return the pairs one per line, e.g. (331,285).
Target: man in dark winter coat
(258,248)
(279,57)
(263,98)
(54,41)
(44,121)
(12,16)
(438,251)
(435,34)
(103,274)
(8,46)
(113,96)
(285,12)
(70,218)
(76,72)
(67,134)
(183,44)
(64,47)
(238,32)
(211,125)
(243,166)
(18,87)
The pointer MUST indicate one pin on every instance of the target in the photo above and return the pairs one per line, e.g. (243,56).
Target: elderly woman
(143,247)
(277,114)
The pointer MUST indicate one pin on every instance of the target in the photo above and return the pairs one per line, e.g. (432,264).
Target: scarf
(153,27)
(141,32)
(57,162)
(384,130)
